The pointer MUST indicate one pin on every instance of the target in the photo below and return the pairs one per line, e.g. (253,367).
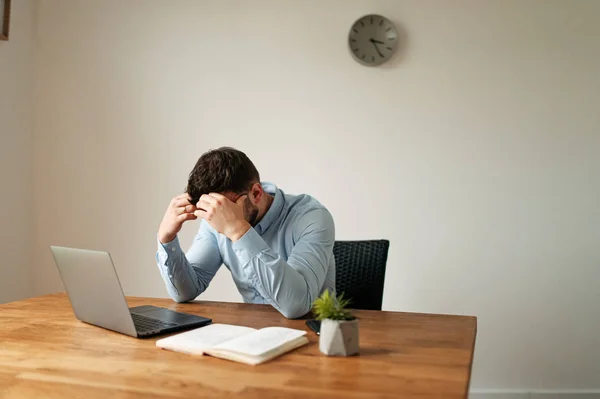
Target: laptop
(96,296)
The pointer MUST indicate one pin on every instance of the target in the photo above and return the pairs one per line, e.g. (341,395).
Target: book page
(254,360)
(197,341)
(259,343)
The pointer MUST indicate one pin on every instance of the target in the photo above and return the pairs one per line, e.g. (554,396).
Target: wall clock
(372,40)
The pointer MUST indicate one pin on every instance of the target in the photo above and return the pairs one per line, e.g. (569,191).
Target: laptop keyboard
(147,324)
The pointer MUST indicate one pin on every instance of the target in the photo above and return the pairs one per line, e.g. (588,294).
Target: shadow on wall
(402,50)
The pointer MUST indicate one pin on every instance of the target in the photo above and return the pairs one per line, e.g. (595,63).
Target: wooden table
(46,353)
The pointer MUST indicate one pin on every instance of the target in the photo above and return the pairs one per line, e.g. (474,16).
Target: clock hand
(376,48)
(376,41)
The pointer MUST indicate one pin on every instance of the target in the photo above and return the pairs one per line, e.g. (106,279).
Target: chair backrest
(360,271)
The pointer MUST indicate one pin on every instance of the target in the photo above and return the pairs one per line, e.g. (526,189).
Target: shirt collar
(274,210)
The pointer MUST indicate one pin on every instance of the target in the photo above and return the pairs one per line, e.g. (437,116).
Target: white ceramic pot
(339,337)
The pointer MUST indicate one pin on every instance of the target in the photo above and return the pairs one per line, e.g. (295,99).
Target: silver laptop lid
(93,287)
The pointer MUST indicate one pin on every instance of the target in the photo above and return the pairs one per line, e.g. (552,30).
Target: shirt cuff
(250,245)
(170,247)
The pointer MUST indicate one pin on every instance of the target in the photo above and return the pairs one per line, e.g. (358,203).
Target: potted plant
(338,334)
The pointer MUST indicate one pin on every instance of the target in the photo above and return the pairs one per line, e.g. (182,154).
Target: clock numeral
(389,48)
(391,38)
(352,40)
(372,58)
(355,50)
(355,31)
(362,23)
(381,22)
(371,20)
(363,57)
(388,29)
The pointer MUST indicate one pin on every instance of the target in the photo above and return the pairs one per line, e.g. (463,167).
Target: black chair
(360,271)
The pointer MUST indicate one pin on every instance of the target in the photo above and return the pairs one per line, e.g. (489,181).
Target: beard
(250,212)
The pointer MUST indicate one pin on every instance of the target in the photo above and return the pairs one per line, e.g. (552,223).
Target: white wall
(16,113)
(476,151)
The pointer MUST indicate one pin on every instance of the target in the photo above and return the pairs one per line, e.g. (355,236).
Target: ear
(256,193)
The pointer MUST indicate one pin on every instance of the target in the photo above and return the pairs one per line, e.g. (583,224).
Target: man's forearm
(291,290)
(237,230)
(180,278)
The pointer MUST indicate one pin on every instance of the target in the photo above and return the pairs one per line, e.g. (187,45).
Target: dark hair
(222,170)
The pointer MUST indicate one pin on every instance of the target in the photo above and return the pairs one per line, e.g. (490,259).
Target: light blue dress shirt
(286,260)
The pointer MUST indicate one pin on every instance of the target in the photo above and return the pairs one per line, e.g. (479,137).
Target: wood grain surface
(45,352)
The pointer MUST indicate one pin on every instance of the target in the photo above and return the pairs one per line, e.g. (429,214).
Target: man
(278,247)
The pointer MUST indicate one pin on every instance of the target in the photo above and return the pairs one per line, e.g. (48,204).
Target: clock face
(372,40)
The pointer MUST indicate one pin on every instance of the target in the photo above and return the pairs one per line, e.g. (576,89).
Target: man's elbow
(294,311)
(182,298)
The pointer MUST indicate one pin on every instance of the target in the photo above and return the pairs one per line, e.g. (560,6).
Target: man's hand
(179,211)
(224,215)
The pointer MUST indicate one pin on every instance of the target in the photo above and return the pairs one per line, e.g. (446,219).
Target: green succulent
(328,306)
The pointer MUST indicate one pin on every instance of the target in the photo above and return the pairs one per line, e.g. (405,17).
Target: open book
(237,343)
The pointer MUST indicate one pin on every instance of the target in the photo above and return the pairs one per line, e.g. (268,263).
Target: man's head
(229,172)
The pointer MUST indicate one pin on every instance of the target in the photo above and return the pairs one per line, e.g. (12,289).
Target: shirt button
(172,249)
